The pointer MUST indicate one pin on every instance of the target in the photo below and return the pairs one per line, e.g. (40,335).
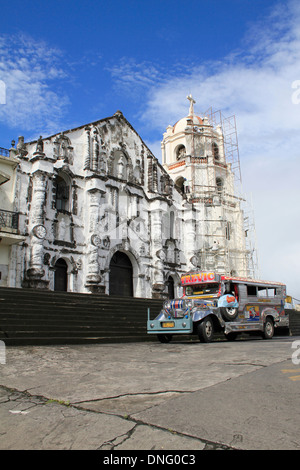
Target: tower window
(215,151)
(228,231)
(219,184)
(180,152)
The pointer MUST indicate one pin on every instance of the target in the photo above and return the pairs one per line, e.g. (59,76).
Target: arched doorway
(120,275)
(61,275)
(171,289)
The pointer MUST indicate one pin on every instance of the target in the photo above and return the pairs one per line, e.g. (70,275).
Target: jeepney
(214,302)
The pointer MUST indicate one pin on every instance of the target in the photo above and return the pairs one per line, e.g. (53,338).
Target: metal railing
(9,220)
(4,152)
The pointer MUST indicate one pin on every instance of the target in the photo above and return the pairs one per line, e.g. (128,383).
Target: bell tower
(200,154)
(193,155)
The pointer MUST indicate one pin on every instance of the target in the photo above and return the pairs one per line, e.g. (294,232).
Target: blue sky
(83,60)
(66,63)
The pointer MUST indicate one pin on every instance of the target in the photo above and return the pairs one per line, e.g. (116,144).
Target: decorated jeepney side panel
(255,309)
(251,313)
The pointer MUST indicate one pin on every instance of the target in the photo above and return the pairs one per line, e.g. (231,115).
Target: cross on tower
(192,102)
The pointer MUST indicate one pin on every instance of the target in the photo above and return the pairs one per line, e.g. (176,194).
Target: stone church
(98,213)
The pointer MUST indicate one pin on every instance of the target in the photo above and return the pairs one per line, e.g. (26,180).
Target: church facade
(99,213)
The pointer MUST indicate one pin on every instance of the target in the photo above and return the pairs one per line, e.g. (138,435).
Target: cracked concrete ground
(182,395)
(35,422)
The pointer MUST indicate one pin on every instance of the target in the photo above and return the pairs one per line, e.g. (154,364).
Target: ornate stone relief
(63,149)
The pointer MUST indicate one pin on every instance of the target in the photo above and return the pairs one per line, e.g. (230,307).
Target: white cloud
(255,84)
(29,68)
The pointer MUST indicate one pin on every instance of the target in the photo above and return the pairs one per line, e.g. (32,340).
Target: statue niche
(120,165)
(63,149)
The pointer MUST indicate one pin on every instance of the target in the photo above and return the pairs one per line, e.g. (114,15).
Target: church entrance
(61,275)
(170,286)
(120,275)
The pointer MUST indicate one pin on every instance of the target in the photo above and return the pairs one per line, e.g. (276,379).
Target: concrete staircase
(37,317)
(294,322)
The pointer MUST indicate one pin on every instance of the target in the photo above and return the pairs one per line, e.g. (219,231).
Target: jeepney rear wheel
(229,313)
(205,330)
(164,338)
(268,329)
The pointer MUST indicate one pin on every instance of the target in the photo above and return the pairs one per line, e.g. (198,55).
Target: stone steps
(41,317)
(294,322)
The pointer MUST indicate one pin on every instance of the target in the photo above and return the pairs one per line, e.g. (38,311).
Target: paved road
(181,395)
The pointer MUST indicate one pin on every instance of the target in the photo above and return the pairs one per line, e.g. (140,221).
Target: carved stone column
(93,277)
(159,255)
(38,232)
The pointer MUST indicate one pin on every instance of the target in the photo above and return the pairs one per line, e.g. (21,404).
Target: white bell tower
(193,153)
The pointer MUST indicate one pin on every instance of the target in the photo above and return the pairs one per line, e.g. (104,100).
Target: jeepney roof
(251,281)
(201,277)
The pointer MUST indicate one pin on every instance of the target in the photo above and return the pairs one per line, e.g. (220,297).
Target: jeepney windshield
(203,289)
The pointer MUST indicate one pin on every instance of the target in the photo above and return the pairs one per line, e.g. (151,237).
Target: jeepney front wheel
(164,338)
(205,330)
(268,328)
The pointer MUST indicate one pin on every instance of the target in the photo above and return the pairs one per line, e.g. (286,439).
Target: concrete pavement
(151,396)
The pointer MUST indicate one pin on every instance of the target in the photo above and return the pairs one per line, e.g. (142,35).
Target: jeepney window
(262,292)
(251,291)
(280,292)
(229,288)
(188,291)
(271,292)
(202,289)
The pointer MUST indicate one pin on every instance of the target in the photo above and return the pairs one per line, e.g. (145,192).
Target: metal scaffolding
(208,194)
(230,139)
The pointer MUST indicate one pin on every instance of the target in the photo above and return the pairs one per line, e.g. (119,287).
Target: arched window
(180,152)
(219,184)
(62,194)
(215,151)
